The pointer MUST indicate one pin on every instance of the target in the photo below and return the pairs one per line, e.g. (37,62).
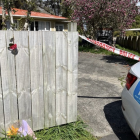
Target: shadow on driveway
(115,118)
(99,97)
(115,59)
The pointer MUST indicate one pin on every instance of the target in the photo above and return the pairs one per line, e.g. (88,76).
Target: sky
(138,4)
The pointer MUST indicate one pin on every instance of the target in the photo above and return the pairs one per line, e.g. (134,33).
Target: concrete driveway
(99,95)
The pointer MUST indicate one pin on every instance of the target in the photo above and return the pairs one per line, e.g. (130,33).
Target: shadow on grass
(115,118)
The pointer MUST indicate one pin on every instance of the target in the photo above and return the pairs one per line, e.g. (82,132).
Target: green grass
(130,61)
(88,47)
(71,131)
(122,80)
(94,49)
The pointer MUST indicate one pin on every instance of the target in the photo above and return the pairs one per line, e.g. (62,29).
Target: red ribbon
(13,47)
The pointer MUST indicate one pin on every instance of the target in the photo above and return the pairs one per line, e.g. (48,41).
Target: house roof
(23,13)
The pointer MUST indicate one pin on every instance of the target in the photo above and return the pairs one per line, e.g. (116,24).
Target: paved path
(99,95)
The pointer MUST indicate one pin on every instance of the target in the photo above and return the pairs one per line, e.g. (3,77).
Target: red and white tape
(112,49)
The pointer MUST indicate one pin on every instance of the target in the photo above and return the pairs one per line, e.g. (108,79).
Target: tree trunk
(11,19)
(3,17)
(26,25)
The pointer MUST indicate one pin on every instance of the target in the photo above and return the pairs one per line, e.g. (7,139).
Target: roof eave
(40,17)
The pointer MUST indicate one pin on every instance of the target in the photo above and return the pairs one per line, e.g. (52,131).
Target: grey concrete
(99,95)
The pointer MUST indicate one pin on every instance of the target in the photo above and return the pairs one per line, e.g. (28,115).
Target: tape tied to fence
(112,49)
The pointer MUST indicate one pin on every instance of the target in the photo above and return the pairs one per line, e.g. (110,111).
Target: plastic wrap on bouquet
(21,128)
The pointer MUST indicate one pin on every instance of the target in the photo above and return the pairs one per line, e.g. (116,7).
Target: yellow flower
(12,131)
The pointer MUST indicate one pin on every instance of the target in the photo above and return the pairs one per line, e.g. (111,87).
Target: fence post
(72,26)
(138,44)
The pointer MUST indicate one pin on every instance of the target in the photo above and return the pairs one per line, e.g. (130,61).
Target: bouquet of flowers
(22,129)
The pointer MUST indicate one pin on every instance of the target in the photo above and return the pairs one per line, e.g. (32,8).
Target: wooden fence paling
(8,83)
(72,76)
(64,76)
(23,76)
(49,51)
(12,97)
(61,77)
(39,84)
(132,42)
(138,44)
(2,47)
(36,71)
(1,110)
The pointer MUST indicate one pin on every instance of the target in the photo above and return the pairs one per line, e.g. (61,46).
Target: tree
(7,5)
(28,5)
(67,9)
(94,14)
(136,24)
(3,16)
(51,6)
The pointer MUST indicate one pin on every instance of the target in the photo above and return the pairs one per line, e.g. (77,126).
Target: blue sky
(138,4)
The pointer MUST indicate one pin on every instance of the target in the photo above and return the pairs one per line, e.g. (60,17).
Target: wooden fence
(39,84)
(131,42)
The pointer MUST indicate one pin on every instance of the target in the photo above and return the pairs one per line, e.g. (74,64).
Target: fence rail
(39,84)
(131,42)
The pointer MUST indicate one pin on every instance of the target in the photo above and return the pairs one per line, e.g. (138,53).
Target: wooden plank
(36,69)
(23,76)
(10,101)
(2,48)
(2,127)
(8,82)
(49,77)
(72,76)
(61,77)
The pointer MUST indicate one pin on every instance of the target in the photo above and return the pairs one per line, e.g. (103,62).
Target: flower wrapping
(21,128)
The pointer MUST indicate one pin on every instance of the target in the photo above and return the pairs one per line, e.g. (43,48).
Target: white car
(131,99)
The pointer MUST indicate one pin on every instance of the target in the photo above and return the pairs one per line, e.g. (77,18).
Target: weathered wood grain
(72,76)
(2,48)
(36,69)
(2,127)
(8,81)
(23,76)
(10,100)
(61,77)
(49,77)
(40,83)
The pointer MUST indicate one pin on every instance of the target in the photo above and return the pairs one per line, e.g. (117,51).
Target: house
(41,21)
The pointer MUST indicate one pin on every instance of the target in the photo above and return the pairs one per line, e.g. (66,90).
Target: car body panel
(135,69)
(131,102)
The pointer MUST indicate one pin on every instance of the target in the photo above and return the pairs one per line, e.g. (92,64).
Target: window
(36,25)
(59,27)
(40,26)
(48,26)
(15,22)
(32,26)
(8,25)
